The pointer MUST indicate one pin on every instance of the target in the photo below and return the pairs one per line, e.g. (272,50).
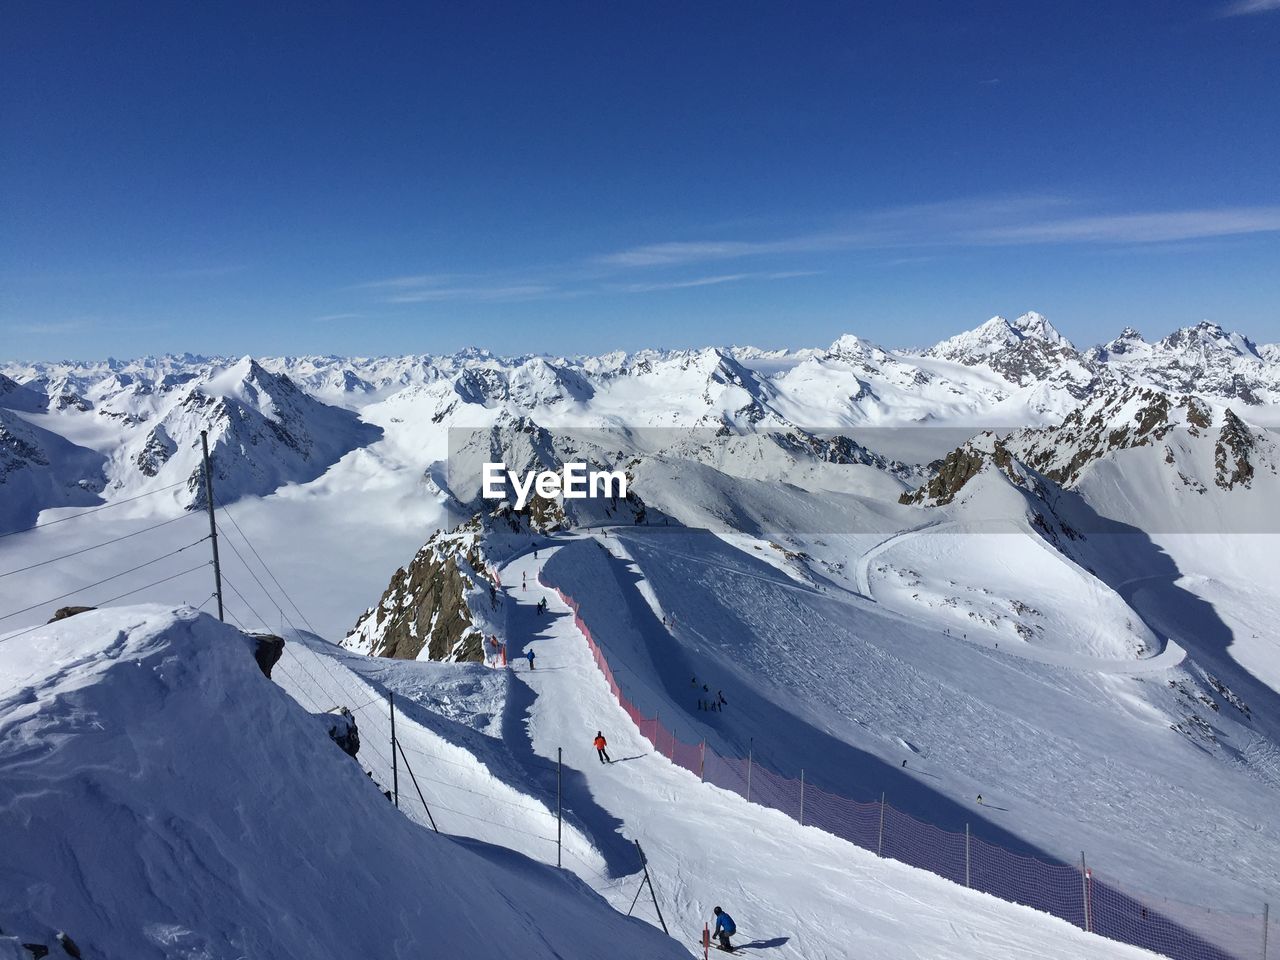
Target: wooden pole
(213,526)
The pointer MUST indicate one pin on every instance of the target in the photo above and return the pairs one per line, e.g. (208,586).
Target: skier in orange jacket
(601,743)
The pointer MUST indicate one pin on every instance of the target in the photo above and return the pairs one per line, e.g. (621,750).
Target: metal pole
(395,768)
(748,776)
(880,843)
(966,856)
(1084,891)
(559,814)
(421,798)
(653,893)
(213,526)
(1266,920)
(802,798)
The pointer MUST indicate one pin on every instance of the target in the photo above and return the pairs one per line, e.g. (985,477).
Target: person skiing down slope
(601,743)
(725,928)
(530,656)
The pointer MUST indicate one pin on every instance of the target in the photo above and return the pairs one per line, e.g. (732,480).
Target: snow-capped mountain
(1204,359)
(1023,351)
(39,470)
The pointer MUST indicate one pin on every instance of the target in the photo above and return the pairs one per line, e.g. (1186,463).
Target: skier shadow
(625,626)
(764,944)
(638,756)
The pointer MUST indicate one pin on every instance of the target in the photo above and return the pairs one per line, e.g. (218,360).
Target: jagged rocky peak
(1118,419)
(1129,344)
(1204,359)
(1234,453)
(1023,351)
(426,611)
(1208,336)
(982,453)
(538,382)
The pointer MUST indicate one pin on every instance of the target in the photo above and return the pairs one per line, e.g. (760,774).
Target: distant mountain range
(74,432)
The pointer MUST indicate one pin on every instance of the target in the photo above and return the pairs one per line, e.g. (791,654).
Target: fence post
(880,844)
(395,767)
(559,814)
(1266,920)
(748,775)
(802,798)
(966,856)
(1084,892)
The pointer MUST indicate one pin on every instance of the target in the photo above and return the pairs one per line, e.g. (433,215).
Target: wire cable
(249,543)
(104,543)
(128,593)
(85,513)
(114,576)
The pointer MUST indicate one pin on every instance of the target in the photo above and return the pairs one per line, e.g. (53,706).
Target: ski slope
(1068,758)
(795,891)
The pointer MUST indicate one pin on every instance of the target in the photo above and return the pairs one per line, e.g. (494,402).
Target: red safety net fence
(1071,892)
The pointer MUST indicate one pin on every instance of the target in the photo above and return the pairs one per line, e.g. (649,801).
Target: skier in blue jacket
(725,928)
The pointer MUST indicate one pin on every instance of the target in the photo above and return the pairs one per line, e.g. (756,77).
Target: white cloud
(1245,7)
(481,293)
(1162,227)
(711,281)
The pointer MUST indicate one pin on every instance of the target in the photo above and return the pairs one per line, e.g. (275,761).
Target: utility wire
(114,576)
(105,543)
(154,583)
(85,513)
(244,536)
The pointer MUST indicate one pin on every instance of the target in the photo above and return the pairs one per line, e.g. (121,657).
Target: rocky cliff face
(425,612)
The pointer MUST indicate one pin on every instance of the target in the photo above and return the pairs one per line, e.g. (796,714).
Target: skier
(601,743)
(725,928)
(530,656)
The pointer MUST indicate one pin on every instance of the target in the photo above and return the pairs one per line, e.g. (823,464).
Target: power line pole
(395,767)
(213,526)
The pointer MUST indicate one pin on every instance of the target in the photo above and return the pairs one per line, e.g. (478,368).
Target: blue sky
(579,177)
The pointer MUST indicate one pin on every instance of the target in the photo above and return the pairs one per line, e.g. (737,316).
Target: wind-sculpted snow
(161,798)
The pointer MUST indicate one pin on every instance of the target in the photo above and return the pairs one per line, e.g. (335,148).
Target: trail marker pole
(802,798)
(966,856)
(748,776)
(395,767)
(559,815)
(1084,892)
(1266,920)
(880,842)
(213,526)
(702,763)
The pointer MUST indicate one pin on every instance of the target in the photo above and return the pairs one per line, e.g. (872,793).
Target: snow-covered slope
(39,470)
(161,798)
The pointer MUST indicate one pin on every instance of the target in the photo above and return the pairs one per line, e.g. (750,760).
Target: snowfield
(999,566)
